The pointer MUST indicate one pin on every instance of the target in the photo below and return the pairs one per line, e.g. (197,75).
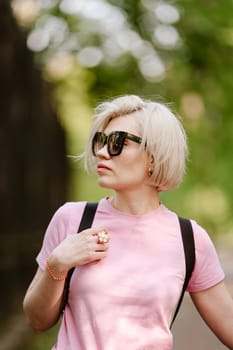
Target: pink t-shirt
(127,300)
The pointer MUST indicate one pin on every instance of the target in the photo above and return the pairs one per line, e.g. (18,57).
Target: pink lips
(102,167)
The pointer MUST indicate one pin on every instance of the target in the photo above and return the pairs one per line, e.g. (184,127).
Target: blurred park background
(58,59)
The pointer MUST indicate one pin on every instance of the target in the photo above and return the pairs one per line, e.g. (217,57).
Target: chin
(104,184)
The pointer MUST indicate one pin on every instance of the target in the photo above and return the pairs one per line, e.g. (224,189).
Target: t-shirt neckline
(107,205)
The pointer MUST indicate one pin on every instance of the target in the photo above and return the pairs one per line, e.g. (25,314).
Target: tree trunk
(33,171)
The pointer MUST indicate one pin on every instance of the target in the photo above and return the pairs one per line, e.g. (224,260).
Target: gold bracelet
(52,274)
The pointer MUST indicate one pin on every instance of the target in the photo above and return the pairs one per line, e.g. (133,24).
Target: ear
(150,160)
(150,165)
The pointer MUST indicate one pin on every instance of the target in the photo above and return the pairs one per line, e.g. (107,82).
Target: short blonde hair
(161,131)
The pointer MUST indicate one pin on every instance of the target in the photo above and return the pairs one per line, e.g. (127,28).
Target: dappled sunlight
(90,56)
(38,40)
(166,35)
(166,13)
(152,68)
(25,11)
(59,66)
(98,21)
(192,106)
(50,30)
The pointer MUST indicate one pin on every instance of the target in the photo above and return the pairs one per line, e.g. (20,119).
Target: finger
(94,230)
(101,247)
(98,255)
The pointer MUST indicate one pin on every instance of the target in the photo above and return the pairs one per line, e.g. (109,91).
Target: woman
(130,264)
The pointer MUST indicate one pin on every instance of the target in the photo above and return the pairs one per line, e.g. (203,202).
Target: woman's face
(129,169)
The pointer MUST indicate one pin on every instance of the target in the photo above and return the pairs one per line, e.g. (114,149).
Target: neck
(136,203)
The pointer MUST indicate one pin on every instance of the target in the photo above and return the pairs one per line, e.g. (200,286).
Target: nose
(103,152)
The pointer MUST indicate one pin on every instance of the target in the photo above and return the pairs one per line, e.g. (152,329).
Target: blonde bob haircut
(162,135)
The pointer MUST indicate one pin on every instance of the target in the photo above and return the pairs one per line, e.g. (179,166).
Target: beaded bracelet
(52,274)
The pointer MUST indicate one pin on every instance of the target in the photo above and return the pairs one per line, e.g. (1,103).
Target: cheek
(136,165)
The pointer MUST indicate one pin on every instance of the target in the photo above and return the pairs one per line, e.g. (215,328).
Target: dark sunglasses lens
(98,142)
(115,144)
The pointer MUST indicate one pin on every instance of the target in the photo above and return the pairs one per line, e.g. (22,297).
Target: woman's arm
(215,305)
(42,302)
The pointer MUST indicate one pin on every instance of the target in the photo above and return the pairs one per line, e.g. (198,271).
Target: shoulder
(201,237)
(207,271)
(70,208)
(202,240)
(67,216)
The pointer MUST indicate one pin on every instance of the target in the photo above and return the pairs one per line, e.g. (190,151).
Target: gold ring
(102,237)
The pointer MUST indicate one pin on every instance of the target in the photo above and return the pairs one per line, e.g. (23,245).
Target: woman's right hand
(78,249)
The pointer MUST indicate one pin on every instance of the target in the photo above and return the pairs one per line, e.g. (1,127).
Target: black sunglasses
(115,141)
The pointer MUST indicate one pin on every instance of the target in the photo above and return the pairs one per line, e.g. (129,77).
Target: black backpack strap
(88,216)
(85,223)
(189,252)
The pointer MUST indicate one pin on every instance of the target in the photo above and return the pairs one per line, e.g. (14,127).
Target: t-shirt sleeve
(65,221)
(207,270)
